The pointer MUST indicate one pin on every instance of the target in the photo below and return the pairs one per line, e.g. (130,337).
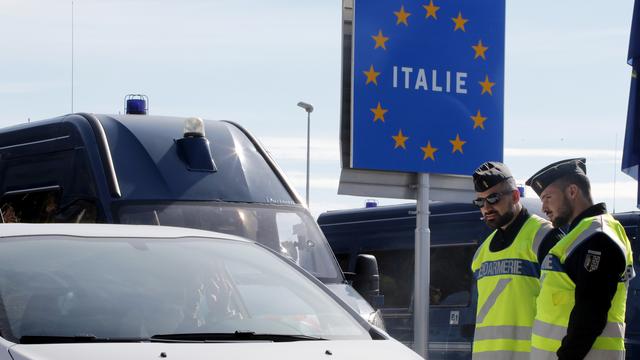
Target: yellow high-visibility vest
(557,294)
(508,283)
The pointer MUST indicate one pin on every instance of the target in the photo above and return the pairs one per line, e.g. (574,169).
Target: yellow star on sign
(431,10)
(429,151)
(400,140)
(478,120)
(486,85)
(457,144)
(402,16)
(480,50)
(380,40)
(372,76)
(378,112)
(460,21)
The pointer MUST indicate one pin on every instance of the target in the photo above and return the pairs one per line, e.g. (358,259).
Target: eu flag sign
(427,85)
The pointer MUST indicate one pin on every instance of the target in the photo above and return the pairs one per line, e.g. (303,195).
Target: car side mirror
(366,279)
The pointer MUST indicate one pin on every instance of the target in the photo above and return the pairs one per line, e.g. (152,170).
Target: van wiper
(47,339)
(231,337)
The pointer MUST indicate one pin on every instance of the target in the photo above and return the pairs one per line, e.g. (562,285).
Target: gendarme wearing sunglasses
(506,266)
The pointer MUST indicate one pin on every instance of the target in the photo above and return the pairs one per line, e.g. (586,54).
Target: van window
(396,276)
(288,230)
(43,205)
(451,276)
(38,206)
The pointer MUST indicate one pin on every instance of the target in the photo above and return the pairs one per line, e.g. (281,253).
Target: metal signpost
(425,82)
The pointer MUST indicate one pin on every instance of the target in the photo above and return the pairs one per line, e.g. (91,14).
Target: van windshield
(288,230)
(135,288)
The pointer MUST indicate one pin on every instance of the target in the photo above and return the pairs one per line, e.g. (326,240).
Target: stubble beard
(501,220)
(564,213)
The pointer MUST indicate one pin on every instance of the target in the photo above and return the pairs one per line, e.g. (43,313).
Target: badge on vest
(592,260)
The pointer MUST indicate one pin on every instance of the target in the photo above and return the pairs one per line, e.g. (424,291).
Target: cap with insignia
(550,173)
(490,174)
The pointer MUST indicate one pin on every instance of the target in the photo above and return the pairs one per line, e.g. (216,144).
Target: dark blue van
(388,233)
(138,169)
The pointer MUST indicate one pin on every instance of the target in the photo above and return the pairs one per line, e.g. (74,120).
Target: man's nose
(545,209)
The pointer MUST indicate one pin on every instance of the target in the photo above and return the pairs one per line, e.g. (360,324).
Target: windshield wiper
(230,337)
(47,339)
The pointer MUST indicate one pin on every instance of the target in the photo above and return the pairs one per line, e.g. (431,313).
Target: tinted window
(44,206)
(288,230)
(396,276)
(451,276)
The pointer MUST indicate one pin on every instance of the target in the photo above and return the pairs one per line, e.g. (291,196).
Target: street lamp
(308,108)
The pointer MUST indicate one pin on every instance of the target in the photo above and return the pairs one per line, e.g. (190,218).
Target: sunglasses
(491,199)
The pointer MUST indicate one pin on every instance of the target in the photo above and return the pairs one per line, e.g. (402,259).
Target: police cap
(490,174)
(550,173)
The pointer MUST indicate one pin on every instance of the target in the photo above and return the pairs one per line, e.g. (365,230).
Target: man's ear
(515,196)
(572,191)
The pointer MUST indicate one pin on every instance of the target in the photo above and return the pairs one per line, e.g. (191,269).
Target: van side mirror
(366,279)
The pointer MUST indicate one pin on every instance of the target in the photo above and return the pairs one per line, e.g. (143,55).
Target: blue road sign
(428,85)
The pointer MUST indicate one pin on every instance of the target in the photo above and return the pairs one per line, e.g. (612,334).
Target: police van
(141,169)
(388,234)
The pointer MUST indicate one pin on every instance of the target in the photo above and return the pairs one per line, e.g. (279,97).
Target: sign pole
(422,269)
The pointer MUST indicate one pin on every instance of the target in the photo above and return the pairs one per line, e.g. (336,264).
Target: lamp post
(308,108)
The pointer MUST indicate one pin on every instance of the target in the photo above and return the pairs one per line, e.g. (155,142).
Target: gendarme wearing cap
(550,173)
(489,175)
(517,238)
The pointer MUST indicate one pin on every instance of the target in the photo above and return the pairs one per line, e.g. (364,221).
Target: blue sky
(566,78)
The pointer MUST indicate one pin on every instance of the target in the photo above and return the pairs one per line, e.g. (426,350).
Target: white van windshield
(288,230)
(133,288)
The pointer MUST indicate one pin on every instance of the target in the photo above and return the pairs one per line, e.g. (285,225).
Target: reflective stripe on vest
(611,329)
(557,295)
(593,354)
(502,332)
(507,286)
(502,355)
(491,300)
(537,240)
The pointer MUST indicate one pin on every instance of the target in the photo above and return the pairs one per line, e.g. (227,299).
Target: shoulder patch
(592,260)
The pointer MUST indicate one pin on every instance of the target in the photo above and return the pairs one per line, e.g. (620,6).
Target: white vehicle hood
(326,350)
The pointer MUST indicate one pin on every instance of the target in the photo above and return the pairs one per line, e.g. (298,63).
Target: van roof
(139,156)
(436,208)
(441,208)
(144,148)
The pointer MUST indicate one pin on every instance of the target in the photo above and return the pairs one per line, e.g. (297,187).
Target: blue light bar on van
(136,104)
